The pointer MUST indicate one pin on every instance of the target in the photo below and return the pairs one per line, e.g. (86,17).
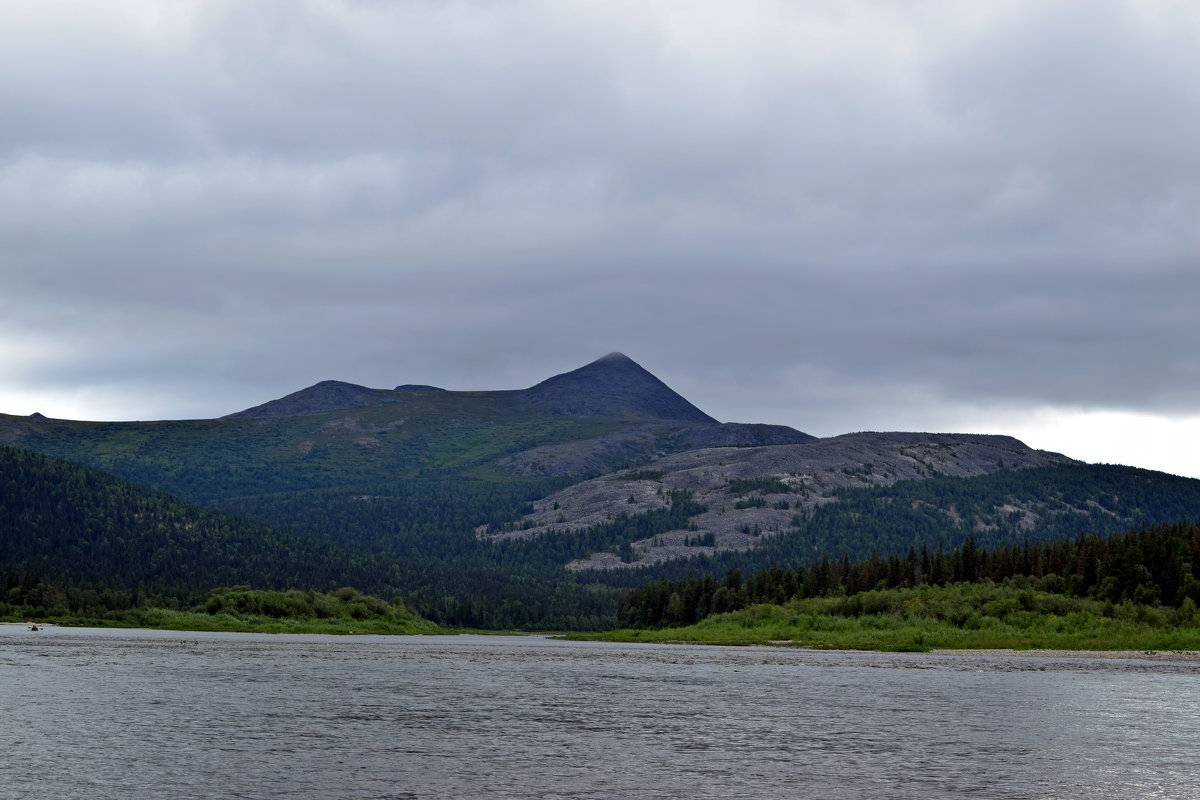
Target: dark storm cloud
(818,214)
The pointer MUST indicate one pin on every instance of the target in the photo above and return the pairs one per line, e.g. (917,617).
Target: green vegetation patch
(344,604)
(758,501)
(743,486)
(241,608)
(1154,567)
(983,615)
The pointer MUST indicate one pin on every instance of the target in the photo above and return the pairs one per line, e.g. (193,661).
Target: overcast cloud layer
(834,215)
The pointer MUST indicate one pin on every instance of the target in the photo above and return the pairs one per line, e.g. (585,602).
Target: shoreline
(352,627)
(1171,656)
(1143,655)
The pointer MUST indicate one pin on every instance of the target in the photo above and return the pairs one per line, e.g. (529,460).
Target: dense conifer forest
(68,524)
(1159,566)
(80,540)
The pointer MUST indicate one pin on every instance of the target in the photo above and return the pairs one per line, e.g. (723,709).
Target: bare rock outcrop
(755,492)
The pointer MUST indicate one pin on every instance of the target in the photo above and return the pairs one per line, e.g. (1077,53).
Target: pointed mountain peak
(613,386)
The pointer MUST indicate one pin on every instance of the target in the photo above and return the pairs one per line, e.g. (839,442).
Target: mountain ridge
(603,416)
(613,385)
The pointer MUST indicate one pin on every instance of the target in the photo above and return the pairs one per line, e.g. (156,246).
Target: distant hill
(417,387)
(613,386)
(318,398)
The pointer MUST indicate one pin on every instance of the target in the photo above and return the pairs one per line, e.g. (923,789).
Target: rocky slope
(755,492)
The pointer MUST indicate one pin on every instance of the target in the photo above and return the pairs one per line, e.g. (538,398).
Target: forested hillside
(72,524)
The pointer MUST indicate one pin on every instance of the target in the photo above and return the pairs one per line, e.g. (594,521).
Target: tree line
(1156,566)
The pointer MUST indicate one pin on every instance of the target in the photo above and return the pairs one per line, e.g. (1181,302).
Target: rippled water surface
(144,714)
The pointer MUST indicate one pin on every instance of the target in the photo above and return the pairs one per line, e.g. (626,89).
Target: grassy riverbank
(171,620)
(240,609)
(961,616)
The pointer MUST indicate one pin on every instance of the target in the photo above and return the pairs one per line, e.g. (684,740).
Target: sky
(836,215)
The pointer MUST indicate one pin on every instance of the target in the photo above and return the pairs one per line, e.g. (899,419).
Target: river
(153,714)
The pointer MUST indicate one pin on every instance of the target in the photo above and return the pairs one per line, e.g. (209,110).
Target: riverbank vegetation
(1011,615)
(1139,591)
(1156,567)
(237,608)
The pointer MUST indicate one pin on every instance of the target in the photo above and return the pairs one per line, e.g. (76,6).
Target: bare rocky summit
(796,477)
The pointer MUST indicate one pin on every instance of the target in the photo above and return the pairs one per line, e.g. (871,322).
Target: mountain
(612,386)
(406,475)
(534,507)
(604,416)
